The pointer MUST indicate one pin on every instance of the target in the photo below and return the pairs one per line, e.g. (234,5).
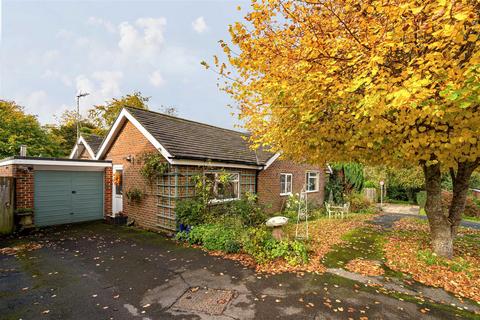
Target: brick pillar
(24,187)
(108,191)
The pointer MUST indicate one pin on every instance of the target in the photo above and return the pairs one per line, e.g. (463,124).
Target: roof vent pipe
(23,150)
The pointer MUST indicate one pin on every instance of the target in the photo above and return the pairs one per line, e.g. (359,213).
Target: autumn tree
(18,128)
(103,116)
(66,130)
(379,82)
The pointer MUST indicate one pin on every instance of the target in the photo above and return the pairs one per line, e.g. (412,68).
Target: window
(311,181)
(285,183)
(225,186)
(118,181)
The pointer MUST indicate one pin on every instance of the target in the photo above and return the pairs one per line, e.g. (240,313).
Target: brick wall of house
(131,142)
(23,184)
(107,191)
(268,185)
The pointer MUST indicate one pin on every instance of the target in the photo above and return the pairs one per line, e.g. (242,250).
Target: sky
(51,50)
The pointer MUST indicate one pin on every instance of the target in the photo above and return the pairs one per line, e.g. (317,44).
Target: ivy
(154,166)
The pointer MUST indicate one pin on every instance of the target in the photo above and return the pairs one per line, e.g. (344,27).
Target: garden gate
(6,204)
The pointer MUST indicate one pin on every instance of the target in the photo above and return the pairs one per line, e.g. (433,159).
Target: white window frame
(216,173)
(286,192)
(317,185)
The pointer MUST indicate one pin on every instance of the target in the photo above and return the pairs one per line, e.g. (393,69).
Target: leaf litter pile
(365,267)
(408,250)
(31,246)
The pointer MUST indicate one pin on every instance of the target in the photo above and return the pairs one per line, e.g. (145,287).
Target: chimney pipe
(23,150)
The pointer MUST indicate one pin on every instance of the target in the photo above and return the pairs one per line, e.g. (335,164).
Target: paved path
(96,271)
(400,208)
(388,219)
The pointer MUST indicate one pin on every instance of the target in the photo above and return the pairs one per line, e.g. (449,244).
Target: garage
(67,197)
(52,191)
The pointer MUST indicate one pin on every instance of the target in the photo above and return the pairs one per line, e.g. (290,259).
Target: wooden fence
(6,205)
(371,194)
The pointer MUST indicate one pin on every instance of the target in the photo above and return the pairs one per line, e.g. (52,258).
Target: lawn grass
(364,243)
(408,250)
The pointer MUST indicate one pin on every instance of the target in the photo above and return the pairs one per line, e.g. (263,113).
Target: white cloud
(199,25)
(52,74)
(109,82)
(156,79)
(37,102)
(96,21)
(101,86)
(143,38)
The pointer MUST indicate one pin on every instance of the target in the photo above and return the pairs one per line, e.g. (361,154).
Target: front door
(117,204)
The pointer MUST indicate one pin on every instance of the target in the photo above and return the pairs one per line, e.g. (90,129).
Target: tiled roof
(93,141)
(186,139)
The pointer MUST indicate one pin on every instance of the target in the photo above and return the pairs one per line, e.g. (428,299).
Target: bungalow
(190,148)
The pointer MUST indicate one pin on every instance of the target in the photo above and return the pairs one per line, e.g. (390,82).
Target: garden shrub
(215,237)
(259,243)
(255,241)
(190,212)
(421,198)
(292,204)
(359,203)
(182,236)
(370,184)
(471,208)
(248,210)
(244,212)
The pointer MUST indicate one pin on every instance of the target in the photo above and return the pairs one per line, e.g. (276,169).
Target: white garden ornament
(276,223)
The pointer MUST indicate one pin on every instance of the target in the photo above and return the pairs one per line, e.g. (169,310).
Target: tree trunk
(440,226)
(460,181)
(444,223)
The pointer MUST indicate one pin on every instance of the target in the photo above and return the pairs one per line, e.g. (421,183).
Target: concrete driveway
(97,271)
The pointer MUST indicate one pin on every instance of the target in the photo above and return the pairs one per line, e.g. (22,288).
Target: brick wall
(130,141)
(23,184)
(107,191)
(268,187)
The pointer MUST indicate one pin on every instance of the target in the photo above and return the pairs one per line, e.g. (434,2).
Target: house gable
(85,151)
(112,136)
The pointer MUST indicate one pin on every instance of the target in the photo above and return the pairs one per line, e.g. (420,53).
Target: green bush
(369,184)
(182,236)
(247,210)
(359,203)
(190,212)
(215,237)
(259,243)
(421,198)
(255,241)
(243,212)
